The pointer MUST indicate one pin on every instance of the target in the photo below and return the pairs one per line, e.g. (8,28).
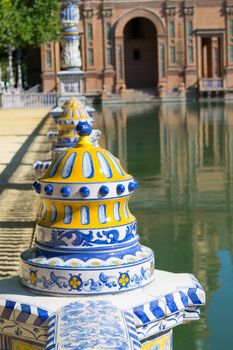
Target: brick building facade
(162,46)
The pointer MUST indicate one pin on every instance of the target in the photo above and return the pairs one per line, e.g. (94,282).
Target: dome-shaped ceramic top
(73,113)
(87,239)
(66,118)
(85,165)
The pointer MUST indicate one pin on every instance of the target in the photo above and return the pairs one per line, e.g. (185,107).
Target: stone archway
(152,20)
(140,54)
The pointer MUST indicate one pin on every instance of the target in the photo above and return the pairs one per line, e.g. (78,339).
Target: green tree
(28,22)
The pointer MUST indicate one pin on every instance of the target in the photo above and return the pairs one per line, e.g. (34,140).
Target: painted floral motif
(104,283)
(124,280)
(78,238)
(33,277)
(75,282)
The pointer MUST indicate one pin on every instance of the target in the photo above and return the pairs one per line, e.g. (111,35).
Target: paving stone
(19,204)
(23,174)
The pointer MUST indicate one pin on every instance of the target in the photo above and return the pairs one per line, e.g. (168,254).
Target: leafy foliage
(28,22)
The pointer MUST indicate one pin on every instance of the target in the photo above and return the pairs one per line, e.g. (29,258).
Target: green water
(182,156)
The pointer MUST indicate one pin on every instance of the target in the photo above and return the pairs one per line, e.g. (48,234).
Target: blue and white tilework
(23,313)
(96,324)
(51,337)
(70,238)
(93,280)
(23,320)
(87,241)
(183,300)
(163,325)
(122,321)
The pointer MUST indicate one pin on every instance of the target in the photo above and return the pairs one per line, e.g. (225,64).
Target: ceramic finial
(84,130)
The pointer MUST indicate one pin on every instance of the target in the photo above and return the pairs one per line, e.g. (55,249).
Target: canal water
(182,156)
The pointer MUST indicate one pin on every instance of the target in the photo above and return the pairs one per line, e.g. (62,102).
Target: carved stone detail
(70,54)
(170,11)
(188,11)
(107,12)
(88,13)
(229,10)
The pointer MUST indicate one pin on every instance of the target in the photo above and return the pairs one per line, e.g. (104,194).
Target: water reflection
(182,156)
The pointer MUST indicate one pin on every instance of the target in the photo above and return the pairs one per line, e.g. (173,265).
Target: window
(190,41)
(190,28)
(231,53)
(90,51)
(216,62)
(230,40)
(109,55)
(231,27)
(89,32)
(172,42)
(119,53)
(172,29)
(173,54)
(108,31)
(162,60)
(48,55)
(90,56)
(190,54)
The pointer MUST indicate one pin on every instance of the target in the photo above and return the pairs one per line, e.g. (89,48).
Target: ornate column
(162,66)
(171,34)
(108,71)
(174,59)
(88,51)
(71,75)
(120,64)
(228,79)
(190,54)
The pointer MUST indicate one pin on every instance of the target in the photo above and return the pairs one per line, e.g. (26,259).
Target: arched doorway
(140,54)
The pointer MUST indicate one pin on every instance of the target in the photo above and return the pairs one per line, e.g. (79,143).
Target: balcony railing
(29,100)
(211,84)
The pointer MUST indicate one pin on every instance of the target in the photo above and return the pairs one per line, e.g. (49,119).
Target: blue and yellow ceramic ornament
(73,112)
(87,241)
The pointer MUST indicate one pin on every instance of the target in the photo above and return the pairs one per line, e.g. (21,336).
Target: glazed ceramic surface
(72,112)
(163,342)
(141,318)
(115,328)
(87,241)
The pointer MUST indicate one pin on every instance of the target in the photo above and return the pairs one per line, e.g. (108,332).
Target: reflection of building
(185,204)
(155,45)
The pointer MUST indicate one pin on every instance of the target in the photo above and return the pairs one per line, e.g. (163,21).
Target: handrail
(211,84)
